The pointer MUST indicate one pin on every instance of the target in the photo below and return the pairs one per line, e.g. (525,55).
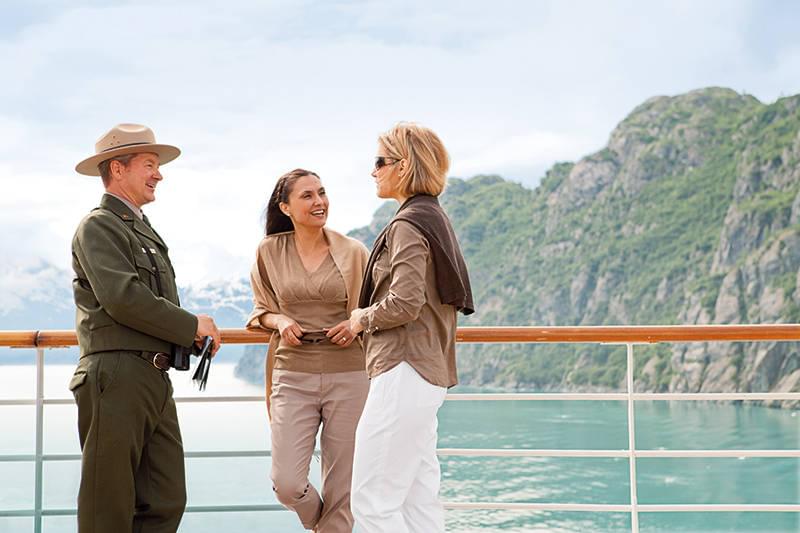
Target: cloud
(36,281)
(259,88)
(524,157)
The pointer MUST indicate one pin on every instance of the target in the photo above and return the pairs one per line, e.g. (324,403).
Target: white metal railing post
(632,441)
(37,498)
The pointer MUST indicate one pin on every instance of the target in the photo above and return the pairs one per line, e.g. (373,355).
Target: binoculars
(179,358)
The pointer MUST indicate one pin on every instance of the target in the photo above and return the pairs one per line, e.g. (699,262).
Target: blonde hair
(425,155)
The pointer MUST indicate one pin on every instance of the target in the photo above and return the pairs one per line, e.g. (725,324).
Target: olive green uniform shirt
(116,294)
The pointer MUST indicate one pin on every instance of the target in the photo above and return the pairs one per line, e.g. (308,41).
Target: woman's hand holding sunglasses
(289,330)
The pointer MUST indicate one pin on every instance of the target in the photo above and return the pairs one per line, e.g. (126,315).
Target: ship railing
(629,336)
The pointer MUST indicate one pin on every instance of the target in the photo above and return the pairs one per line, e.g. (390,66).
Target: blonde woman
(306,281)
(416,281)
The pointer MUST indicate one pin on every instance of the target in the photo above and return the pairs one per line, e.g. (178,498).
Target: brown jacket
(424,212)
(408,321)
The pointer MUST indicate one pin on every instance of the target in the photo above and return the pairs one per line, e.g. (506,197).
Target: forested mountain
(689,215)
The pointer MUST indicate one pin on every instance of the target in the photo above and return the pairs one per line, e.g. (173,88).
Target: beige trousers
(300,402)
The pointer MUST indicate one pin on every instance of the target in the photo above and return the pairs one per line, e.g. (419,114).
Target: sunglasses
(382,161)
(314,337)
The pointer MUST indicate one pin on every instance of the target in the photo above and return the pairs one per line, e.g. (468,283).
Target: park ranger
(130,326)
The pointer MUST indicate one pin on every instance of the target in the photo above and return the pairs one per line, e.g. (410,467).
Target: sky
(250,90)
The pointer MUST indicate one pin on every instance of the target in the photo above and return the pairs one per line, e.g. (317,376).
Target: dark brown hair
(276,221)
(105,166)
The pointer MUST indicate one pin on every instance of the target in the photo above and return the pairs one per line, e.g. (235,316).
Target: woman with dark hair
(306,281)
(416,281)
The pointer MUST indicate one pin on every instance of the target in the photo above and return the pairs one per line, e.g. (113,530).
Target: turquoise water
(549,425)
(602,425)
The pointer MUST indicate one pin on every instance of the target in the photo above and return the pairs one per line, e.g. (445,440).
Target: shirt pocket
(147,272)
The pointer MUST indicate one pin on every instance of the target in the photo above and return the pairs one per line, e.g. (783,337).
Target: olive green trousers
(132,472)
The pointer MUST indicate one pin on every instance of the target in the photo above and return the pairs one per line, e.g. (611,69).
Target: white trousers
(395,468)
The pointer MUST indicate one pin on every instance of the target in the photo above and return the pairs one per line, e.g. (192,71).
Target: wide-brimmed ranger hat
(126,139)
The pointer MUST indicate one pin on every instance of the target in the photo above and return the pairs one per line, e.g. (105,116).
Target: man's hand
(207,328)
(289,330)
(340,334)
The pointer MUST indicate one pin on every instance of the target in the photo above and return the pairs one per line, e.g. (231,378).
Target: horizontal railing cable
(556,396)
(484,506)
(475,452)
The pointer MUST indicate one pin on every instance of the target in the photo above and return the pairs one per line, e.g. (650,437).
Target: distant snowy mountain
(229,302)
(35,296)
(39,296)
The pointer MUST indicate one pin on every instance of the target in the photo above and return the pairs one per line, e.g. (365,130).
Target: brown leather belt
(160,360)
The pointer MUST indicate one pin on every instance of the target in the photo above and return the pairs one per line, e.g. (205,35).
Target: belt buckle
(161,361)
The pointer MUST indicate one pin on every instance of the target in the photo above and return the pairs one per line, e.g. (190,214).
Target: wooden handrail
(18,339)
(507,334)
(632,334)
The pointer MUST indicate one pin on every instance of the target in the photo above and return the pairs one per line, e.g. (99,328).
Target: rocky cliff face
(690,215)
